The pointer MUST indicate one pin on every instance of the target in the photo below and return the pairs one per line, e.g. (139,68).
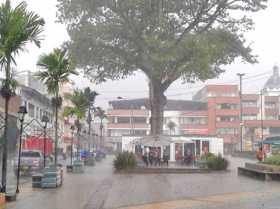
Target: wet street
(99,188)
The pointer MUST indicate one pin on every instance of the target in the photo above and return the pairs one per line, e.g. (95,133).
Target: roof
(175,105)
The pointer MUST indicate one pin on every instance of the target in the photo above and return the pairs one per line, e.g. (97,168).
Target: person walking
(145,158)
(151,157)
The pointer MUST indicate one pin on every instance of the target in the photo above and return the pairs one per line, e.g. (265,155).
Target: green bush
(216,162)
(125,160)
(206,156)
(273,160)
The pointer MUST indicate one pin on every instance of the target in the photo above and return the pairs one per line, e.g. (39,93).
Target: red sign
(37,143)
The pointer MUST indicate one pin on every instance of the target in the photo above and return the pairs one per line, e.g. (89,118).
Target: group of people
(152,157)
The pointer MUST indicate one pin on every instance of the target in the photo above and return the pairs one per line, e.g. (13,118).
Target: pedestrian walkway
(74,194)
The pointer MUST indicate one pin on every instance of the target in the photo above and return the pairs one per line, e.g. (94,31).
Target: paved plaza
(100,188)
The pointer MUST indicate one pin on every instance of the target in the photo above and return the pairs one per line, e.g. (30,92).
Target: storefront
(181,146)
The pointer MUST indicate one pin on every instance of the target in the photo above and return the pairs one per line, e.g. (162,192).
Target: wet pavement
(100,188)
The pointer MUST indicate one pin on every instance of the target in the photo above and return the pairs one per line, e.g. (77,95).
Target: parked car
(100,154)
(31,161)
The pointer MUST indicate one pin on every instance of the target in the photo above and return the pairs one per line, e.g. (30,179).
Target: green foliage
(100,113)
(125,160)
(79,106)
(165,39)
(216,162)
(273,160)
(57,67)
(18,26)
(206,156)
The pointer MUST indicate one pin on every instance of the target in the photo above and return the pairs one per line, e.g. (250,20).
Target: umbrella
(155,141)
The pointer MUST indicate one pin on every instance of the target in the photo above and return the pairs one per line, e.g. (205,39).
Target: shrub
(217,162)
(206,156)
(125,160)
(273,160)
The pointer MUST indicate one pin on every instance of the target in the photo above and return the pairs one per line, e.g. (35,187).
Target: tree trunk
(5,146)
(56,130)
(5,135)
(78,143)
(157,103)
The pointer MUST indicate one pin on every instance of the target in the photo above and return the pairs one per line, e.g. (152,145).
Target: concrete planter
(78,167)
(52,177)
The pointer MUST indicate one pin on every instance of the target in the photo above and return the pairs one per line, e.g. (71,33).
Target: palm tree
(18,26)
(57,67)
(171,126)
(90,95)
(100,113)
(78,109)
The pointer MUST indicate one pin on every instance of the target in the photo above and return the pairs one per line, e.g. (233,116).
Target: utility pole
(262,115)
(241,110)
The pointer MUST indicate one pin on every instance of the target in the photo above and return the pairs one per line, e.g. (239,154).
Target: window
(274,130)
(227,118)
(138,132)
(227,106)
(270,105)
(249,103)
(193,120)
(111,120)
(250,117)
(123,119)
(271,117)
(139,120)
(31,110)
(222,94)
(227,131)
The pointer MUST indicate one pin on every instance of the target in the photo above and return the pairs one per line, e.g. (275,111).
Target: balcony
(128,113)
(257,123)
(250,110)
(193,126)
(229,124)
(127,126)
(227,112)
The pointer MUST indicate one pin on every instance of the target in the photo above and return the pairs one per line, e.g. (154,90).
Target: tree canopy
(164,39)
(167,40)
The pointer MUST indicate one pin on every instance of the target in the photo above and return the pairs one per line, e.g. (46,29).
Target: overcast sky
(264,39)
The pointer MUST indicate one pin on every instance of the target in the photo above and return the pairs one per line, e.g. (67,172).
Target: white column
(172,152)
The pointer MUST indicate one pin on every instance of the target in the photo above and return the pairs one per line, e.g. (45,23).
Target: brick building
(214,110)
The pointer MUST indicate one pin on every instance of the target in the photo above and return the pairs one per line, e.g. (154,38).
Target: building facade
(214,110)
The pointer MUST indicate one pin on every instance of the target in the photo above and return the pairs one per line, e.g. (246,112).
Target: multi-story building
(214,110)
(131,118)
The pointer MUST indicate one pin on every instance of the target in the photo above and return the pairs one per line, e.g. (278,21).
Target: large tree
(56,69)
(165,39)
(18,26)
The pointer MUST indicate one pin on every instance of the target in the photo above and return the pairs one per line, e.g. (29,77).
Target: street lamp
(45,120)
(71,153)
(21,114)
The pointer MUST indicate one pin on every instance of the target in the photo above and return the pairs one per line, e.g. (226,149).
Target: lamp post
(21,113)
(240,75)
(89,119)
(71,153)
(45,120)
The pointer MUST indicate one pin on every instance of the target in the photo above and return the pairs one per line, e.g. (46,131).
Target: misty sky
(264,39)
